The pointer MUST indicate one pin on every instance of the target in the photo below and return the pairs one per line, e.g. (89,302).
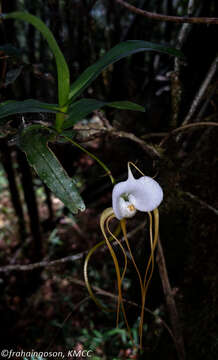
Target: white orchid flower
(143,194)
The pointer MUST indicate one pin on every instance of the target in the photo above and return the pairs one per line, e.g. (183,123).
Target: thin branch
(203,109)
(175,19)
(187,127)
(149,149)
(70,258)
(146,147)
(170,302)
(201,202)
(201,91)
(154,135)
(43,263)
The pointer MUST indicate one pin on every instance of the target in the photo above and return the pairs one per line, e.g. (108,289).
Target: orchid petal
(145,194)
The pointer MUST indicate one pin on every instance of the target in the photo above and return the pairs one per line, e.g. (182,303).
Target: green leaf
(11,107)
(62,67)
(126,105)
(33,141)
(118,52)
(80,109)
(83,107)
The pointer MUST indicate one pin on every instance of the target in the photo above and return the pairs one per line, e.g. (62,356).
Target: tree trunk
(30,198)
(14,193)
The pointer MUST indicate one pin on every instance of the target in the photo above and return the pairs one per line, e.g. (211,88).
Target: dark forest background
(47,307)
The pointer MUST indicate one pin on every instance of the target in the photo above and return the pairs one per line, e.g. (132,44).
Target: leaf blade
(33,141)
(62,67)
(12,107)
(83,107)
(118,52)
(126,105)
(80,109)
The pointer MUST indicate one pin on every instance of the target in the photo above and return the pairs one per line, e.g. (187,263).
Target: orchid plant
(128,197)
(34,138)
(143,194)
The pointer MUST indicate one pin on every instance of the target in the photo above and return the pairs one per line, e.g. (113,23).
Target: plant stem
(59,121)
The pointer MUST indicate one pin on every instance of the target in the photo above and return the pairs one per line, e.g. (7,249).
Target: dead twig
(201,92)
(40,264)
(201,202)
(154,135)
(161,17)
(170,302)
(187,127)
(149,149)
(70,258)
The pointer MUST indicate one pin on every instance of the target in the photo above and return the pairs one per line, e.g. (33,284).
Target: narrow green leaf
(80,109)
(126,105)
(62,67)
(11,107)
(83,107)
(33,141)
(118,52)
